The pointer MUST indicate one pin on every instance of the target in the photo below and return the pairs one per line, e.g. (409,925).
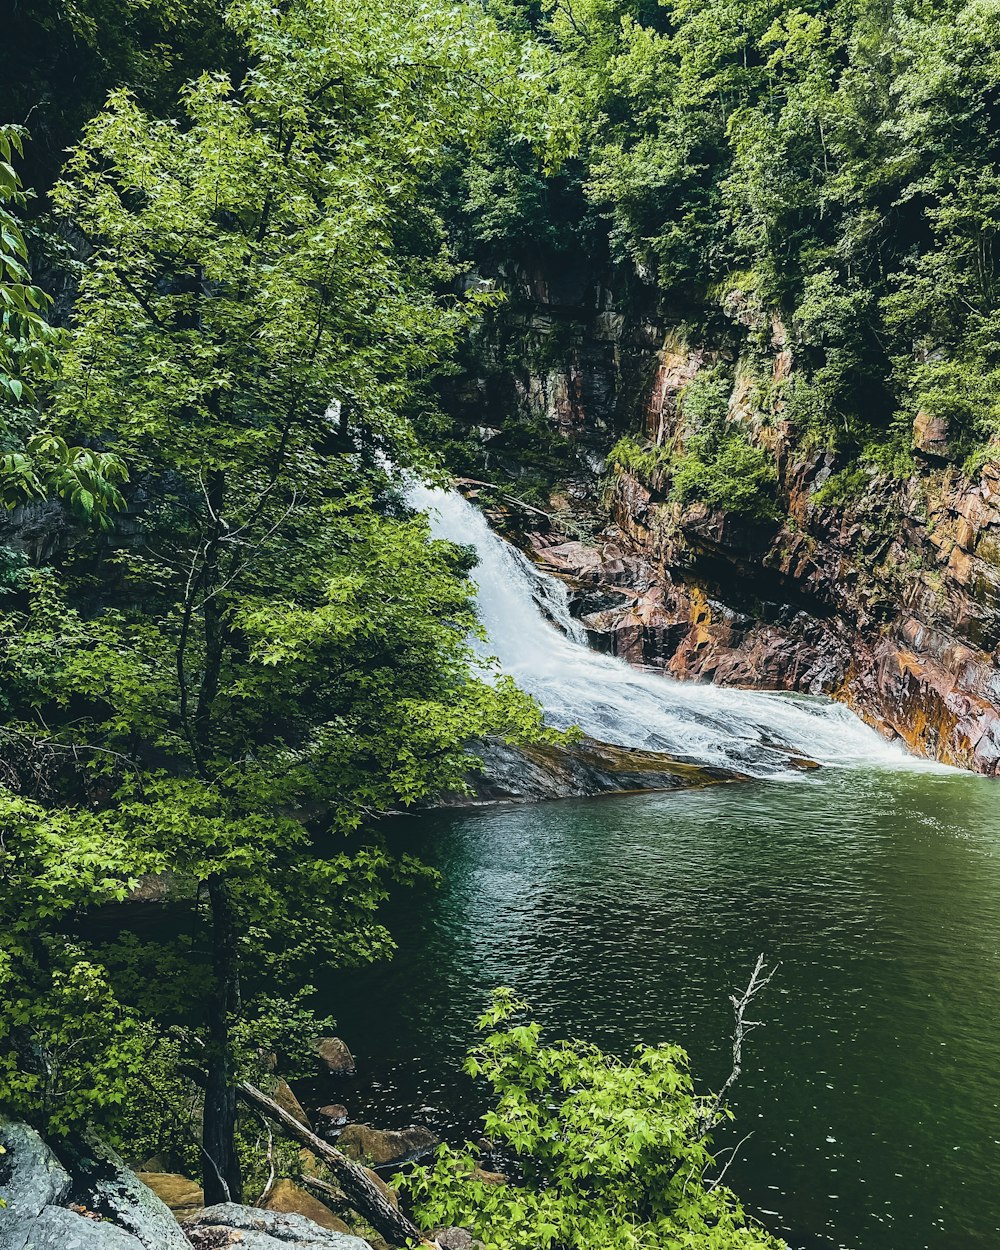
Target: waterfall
(536,640)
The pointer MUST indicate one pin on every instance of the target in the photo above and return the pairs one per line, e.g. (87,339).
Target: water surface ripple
(872,1089)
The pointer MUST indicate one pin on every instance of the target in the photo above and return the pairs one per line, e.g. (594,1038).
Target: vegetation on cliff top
(833,164)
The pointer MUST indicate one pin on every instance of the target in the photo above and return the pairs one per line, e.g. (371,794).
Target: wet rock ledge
(527,774)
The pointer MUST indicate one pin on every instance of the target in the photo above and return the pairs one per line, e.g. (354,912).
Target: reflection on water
(873,1091)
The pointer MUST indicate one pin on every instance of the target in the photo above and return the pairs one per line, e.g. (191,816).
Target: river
(872,1088)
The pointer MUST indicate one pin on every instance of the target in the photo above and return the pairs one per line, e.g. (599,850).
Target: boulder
(487,1178)
(250,1228)
(102,1183)
(383,1147)
(335,1055)
(330,1119)
(455,1239)
(292,1199)
(930,435)
(56,1228)
(184,1197)
(31,1177)
(286,1100)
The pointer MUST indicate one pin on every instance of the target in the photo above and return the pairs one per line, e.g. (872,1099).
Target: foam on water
(537,641)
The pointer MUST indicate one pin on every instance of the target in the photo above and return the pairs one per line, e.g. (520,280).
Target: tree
(273,652)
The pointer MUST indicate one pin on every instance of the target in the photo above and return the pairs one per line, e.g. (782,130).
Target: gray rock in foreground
(31,1177)
(41,1194)
(55,1228)
(38,1189)
(102,1183)
(253,1229)
(33,1182)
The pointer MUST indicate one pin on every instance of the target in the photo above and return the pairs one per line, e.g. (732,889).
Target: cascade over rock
(887,600)
(533,634)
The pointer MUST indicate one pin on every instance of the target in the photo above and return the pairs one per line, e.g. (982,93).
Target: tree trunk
(221,1175)
(215,494)
(363,1196)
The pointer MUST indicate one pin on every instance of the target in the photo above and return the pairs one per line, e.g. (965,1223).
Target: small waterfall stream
(537,641)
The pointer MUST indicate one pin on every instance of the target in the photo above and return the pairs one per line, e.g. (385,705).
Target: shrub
(629,454)
(728,472)
(611,1155)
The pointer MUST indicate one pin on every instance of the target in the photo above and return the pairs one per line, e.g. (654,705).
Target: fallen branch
(504,494)
(359,1189)
(271,1174)
(330,1192)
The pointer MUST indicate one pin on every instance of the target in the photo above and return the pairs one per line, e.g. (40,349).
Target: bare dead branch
(743,1025)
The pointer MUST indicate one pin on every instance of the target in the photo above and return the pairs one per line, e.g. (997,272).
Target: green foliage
(26,338)
(704,401)
(609,1153)
(68,1047)
(87,480)
(45,465)
(730,473)
(843,487)
(635,457)
(227,690)
(844,154)
(718,465)
(60,58)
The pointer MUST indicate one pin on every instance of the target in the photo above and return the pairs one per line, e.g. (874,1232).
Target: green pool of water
(873,1088)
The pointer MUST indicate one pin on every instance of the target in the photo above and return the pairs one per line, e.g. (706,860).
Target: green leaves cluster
(87,480)
(608,1153)
(44,465)
(26,338)
(222,693)
(713,461)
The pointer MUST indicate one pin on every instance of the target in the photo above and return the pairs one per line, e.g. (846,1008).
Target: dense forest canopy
(228,645)
(830,163)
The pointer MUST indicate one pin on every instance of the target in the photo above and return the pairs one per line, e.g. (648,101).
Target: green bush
(629,454)
(704,402)
(611,1155)
(842,487)
(730,473)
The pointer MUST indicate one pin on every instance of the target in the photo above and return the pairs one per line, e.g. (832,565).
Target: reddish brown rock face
(890,604)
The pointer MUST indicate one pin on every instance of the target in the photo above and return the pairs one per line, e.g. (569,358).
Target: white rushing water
(753,731)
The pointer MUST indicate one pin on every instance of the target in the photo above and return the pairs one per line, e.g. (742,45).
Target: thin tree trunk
(222,1179)
(215,494)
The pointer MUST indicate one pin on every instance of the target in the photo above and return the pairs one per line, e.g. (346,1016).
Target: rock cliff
(885,595)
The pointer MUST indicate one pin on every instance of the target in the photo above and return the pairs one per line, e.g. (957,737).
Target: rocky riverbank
(76,1193)
(584,769)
